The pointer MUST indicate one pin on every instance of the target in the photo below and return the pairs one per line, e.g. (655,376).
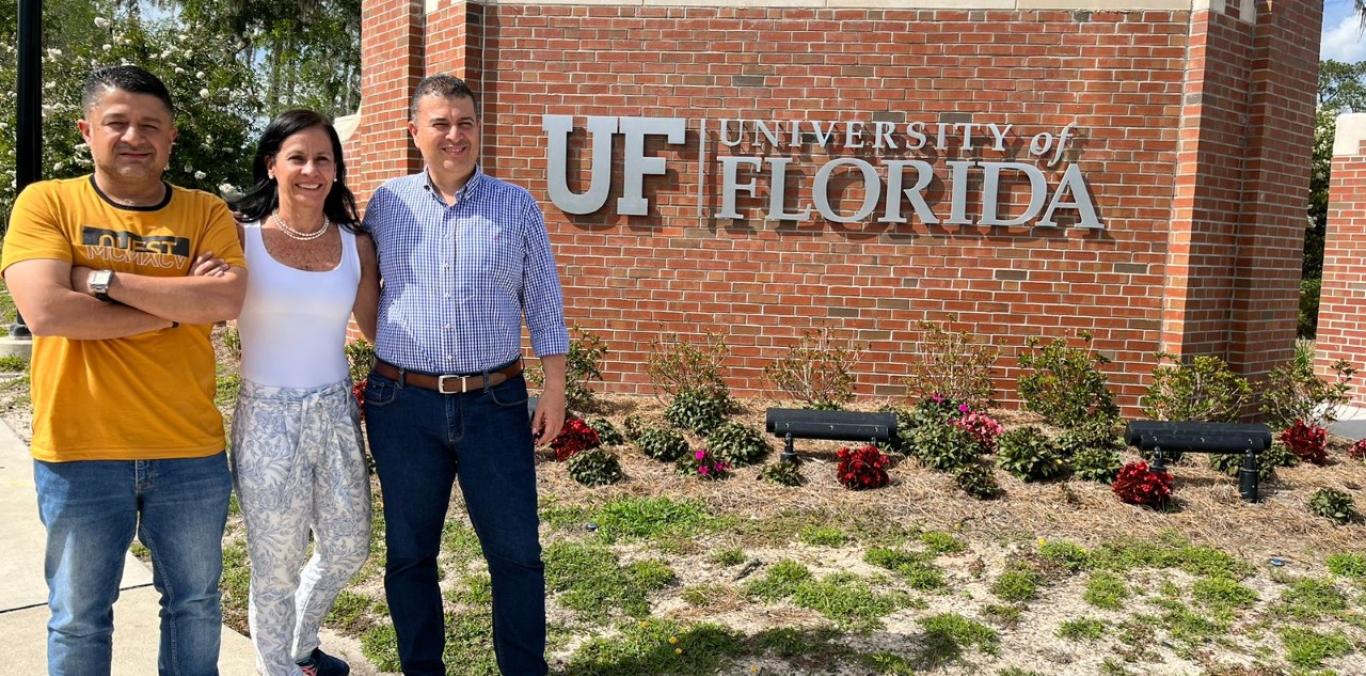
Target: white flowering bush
(212,88)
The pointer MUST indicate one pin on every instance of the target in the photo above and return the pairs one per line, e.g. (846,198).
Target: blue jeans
(419,439)
(91,510)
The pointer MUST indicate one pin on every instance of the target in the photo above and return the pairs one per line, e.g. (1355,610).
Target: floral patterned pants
(299,467)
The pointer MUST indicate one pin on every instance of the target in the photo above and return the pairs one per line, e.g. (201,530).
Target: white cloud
(1344,42)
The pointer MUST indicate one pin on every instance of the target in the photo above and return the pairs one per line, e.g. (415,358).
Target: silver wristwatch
(99,284)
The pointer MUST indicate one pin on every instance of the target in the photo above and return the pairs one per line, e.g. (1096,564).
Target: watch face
(99,280)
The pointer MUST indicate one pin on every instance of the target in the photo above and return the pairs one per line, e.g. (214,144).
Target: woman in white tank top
(297,452)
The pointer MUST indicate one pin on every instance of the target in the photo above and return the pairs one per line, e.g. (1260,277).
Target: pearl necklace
(295,234)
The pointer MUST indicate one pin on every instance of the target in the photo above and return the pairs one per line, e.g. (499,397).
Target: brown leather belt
(452,384)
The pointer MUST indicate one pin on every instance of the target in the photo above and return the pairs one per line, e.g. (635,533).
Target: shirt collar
(463,193)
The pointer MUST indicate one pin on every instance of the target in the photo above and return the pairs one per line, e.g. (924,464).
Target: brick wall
(1342,305)
(1180,116)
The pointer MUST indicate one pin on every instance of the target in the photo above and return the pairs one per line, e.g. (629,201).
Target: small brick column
(1342,305)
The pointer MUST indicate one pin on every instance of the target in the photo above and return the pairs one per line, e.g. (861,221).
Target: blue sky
(1342,38)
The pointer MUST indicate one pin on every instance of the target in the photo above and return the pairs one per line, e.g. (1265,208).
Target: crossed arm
(55,299)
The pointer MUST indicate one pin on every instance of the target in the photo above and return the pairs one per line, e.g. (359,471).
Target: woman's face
(304,169)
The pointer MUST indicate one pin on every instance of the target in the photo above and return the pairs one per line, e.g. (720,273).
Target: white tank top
(293,322)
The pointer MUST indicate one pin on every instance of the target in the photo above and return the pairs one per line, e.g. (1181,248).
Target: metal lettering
(991,185)
(777,192)
(635,129)
(872,189)
(895,175)
(1073,181)
(558,128)
(729,186)
(958,199)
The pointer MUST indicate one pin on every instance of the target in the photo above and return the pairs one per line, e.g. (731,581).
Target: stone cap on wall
(1351,132)
(346,126)
(1246,9)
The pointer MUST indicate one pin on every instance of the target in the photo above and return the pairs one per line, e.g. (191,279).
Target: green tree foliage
(230,66)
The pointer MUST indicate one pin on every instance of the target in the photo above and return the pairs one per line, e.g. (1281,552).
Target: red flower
(862,468)
(574,437)
(1307,442)
(1138,484)
(1358,450)
(358,391)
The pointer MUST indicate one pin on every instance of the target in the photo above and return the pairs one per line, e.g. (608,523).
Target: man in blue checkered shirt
(463,257)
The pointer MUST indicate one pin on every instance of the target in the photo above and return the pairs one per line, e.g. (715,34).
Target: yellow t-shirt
(143,397)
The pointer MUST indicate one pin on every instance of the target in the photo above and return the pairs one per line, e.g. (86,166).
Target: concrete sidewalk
(23,592)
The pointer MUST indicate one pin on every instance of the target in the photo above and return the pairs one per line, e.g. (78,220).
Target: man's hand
(209,265)
(549,418)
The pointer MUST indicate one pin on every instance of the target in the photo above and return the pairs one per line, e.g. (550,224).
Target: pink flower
(700,455)
(964,408)
(702,470)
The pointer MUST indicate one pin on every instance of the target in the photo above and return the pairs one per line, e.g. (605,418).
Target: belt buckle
(441,384)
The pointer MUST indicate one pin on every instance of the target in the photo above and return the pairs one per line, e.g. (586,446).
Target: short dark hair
(131,79)
(445,86)
(262,198)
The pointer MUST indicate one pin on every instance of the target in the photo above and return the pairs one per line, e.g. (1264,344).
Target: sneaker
(320,663)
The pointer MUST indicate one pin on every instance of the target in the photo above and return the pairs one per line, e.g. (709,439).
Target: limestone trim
(1351,132)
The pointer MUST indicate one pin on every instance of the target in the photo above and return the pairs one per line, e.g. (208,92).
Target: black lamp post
(29,149)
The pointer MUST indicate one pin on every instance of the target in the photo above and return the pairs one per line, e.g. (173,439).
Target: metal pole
(29,149)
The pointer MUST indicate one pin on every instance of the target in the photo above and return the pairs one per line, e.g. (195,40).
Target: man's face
(129,135)
(446,132)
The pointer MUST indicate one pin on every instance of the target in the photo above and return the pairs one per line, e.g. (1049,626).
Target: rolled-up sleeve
(542,302)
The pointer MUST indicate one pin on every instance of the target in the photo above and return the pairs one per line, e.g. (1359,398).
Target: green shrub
(1065,384)
(738,444)
(582,364)
(951,364)
(978,481)
(1095,464)
(607,432)
(1308,322)
(943,446)
(662,444)
(682,366)
(783,473)
(1334,505)
(905,429)
(1267,462)
(1201,389)
(632,426)
(360,356)
(698,410)
(1029,455)
(1293,392)
(1093,435)
(595,467)
(817,371)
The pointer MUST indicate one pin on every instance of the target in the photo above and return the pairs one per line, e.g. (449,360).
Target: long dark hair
(258,201)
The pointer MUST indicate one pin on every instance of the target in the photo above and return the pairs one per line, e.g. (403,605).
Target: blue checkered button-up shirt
(459,278)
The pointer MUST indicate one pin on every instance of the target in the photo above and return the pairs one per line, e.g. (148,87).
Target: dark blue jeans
(422,441)
(91,510)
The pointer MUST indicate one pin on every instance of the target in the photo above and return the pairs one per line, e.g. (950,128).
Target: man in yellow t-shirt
(120,277)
